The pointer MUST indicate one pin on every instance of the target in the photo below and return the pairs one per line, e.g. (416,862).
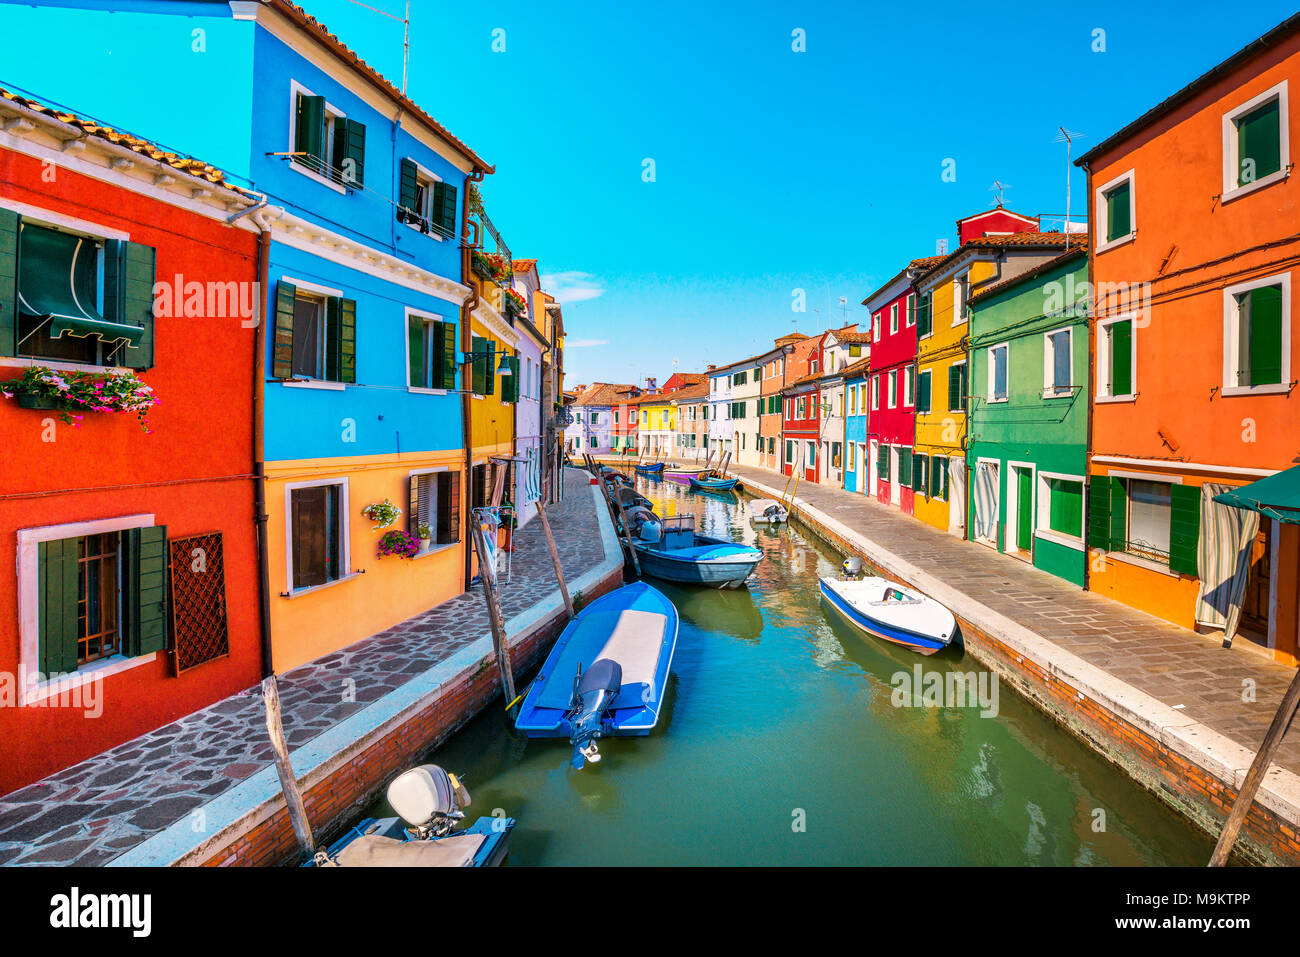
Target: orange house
(1193,216)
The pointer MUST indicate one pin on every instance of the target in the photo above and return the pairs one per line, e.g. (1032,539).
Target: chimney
(649,383)
(710,367)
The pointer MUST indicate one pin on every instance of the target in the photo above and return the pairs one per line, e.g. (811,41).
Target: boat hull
(713,485)
(493,850)
(684,476)
(650,469)
(680,566)
(916,640)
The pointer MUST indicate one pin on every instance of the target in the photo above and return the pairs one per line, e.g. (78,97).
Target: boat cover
(705,553)
(374,850)
(633,638)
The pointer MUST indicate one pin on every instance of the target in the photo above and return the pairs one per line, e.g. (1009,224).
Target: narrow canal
(780,745)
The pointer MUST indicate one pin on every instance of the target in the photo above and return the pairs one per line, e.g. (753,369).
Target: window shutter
(144,574)
(408,184)
(57,605)
(923,315)
(448,354)
(1118,218)
(347,340)
(923,393)
(413,505)
(1265,348)
(1121,358)
(9,222)
(444,208)
(350,151)
(129,271)
(448,530)
(282,345)
(477,345)
(954,387)
(310,136)
(1184,527)
(905,467)
(490,373)
(1259,142)
(1105,511)
(415,349)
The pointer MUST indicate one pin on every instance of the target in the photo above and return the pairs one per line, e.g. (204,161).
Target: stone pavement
(91,812)
(1187,671)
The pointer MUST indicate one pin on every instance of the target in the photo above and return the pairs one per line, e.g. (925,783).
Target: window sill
(312,384)
(995,401)
(1112,243)
(1237,192)
(96,671)
(1127,559)
(435,550)
(421,390)
(1060,539)
(1132,397)
(1276,389)
(431,233)
(1050,393)
(310,589)
(312,174)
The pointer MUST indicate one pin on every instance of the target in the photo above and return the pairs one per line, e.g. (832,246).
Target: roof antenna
(999,187)
(406,33)
(1067,137)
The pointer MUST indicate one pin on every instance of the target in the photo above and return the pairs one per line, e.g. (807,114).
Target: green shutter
(1118,217)
(413,505)
(144,575)
(923,393)
(1265,333)
(282,344)
(905,467)
(444,208)
(347,340)
(954,387)
(448,353)
(1259,140)
(1184,527)
(56,603)
(490,370)
(129,272)
(350,151)
(1065,507)
(923,316)
(510,383)
(478,345)
(1121,357)
(310,137)
(1104,493)
(407,186)
(9,223)
(415,348)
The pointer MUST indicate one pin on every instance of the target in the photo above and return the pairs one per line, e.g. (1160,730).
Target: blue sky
(775,170)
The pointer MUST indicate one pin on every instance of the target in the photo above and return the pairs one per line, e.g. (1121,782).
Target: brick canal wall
(1185,766)
(337,791)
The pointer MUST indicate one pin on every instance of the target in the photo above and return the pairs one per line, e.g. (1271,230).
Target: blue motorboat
(673,551)
(653,469)
(713,485)
(607,673)
(428,802)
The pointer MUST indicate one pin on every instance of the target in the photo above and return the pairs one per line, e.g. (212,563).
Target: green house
(1027,427)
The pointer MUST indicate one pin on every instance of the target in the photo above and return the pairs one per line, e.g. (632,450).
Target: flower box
(26,401)
(42,388)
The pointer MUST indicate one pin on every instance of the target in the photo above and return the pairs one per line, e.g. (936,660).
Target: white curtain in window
(1223,560)
(986,501)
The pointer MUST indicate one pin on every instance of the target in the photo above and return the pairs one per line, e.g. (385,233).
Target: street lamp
(503,367)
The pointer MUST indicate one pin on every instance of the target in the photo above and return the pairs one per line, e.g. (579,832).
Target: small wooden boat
(672,551)
(428,801)
(653,469)
(685,474)
(767,511)
(891,611)
(606,674)
(713,484)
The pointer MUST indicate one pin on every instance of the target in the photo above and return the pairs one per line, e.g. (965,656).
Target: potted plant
(383,514)
(397,542)
(516,305)
(493,267)
(40,387)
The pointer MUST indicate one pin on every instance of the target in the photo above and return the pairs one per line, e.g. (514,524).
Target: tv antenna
(1067,137)
(406,33)
(999,187)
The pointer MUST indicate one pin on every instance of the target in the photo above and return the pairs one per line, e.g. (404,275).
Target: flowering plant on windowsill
(39,387)
(492,266)
(515,301)
(400,543)
(382,513)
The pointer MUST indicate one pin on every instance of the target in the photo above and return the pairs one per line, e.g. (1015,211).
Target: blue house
(855,426)
(363,198)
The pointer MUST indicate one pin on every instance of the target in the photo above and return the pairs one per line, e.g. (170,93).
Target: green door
(1024,509)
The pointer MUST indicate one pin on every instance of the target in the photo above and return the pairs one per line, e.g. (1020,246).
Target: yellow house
(657,426)
(938,471)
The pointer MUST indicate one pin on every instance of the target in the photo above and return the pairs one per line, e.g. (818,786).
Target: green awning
(1277,496)
(58,280)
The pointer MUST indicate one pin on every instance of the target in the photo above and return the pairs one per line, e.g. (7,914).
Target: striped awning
(1277,496)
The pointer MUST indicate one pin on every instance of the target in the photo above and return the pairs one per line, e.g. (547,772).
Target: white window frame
(427,317)
(875,326)
(1099,209)
(960,292)
(989,397)
(891,394)
(29,622)
(296,88)
(1231,343)
(1103,358)
(428,177)
(1231,161)
(910,311)
(326,292)
(875,393)
(1043,528)
(1011,515)
(893,318)
(909,373)
(1050,390)
(345,536)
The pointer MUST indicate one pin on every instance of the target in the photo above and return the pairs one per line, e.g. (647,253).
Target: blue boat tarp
(633,637)
(710,552)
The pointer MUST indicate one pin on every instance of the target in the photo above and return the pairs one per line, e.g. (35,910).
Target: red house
(128,560)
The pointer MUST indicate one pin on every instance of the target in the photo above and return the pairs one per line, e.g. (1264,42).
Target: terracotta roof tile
(1057,240)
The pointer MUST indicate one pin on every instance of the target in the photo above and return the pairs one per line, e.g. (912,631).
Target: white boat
(892,611)
(767,511)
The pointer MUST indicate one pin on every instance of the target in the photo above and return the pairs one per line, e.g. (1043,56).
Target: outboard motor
(594,690)
(852,567)
(650,531)
(428,799)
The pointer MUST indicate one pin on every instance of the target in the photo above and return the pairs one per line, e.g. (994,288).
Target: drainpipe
(1090,326)
(469,241)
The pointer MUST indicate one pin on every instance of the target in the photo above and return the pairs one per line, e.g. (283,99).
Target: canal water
(781,743)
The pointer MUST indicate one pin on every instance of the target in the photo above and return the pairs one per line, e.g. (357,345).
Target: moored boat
(713,485)
(653,469)
(894,612)
(767,511)
(678,554)
(684,475)
(607,673)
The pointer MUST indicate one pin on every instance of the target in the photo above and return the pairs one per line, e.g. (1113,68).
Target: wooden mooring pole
(284,768)
(616,508)
(555,558)
(495,617)
(1246,796)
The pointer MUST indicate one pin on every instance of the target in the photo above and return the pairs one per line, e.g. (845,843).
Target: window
(853,400)
(431,352)
(483,374)
(939,478)
(1257,336)
(1148,519)
(325,142)
(960,293)
(740,378)
(882,462)
(1256,147)
(317,533)
(315,335)
(813,366)
(875,326)
(836,451)
(592,442)
(911,309)
(853,465)
(425,202)
(811,460)
(1116,218)
(909,386)
(893,319)
(923,391)
(875,392)
(924,322)
(997,359)
(1058,376)
(1116,357)
(904,466)
(920,473)
(889,388)
(957,387)
(595,418)
(803,407)
(789,452)
(1060,507)
(434,512)
(80,298)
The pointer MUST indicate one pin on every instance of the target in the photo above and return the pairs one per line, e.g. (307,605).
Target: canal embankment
(204,790)
(1174,710)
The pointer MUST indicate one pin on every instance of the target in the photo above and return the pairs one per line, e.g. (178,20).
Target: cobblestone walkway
(93,811)
(1185,670)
